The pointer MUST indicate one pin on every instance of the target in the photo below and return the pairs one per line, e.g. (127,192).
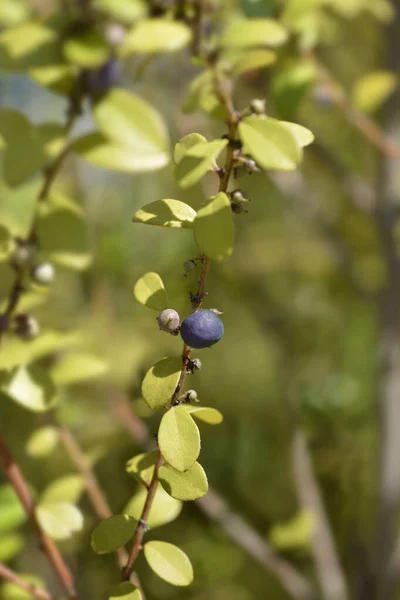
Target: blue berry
(201,329)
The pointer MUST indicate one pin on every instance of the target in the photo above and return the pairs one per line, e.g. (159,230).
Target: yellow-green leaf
(125,591)
(212,416)
(254,32)
(302,135)
(141,467)
(29,45)
(169,562)
(124,11)
(113,533)
(60,520)
(151,36)
(161,380)
(12,591)
(75,368)
(13,12)
(189,485)
(163,510)
(42,442)
(30,386)
(185,144)
(150,291)
(251,60)
(295,533)
(98,150)
(67,488)
(132,123)
(11,545)
(12,514)
(270,143)
(166,213)
(213,228)
(87,50)
(197,161)
(179,438)
(372,90)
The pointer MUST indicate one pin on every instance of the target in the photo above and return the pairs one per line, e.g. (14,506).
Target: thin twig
(30,588)
(18,482)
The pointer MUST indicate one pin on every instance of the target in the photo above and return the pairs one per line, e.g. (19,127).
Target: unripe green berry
(257,106)
(43,273)
(168,320)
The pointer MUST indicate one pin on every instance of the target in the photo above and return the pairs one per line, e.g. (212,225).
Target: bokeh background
(307,299)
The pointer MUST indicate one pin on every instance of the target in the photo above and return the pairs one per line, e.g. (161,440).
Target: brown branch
(218,511)
(34,590)
(18,482)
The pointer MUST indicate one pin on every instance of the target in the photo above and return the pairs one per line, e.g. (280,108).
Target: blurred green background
(301,307)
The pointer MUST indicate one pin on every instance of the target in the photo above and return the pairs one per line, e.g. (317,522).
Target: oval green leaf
(151,36)
(163,510)
(141,467)
(190,485)
(169,562)
(302,135)
(212,416)
(68,488)
(160,381)
(87,50)
(251,60)
(113,533)
(132,123)
(11,545)
(166,213)
(42,442)
(185,144)
(197,161)
(213,228)
(372,90)
(12,514)
(150,291)
(254,32)
(75,368)
(60,520)
(125,591)
(31,387)
(179,438)
(270,143)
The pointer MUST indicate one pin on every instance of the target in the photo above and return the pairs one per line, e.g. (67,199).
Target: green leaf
(131,123)
(152,36)
(31,387)
(213,228)
(185,144)
(5,243)
(150,291)
(372,90)
(64,236)
(60,520)
(141,467)
(124,11)
(29,45)
(202,96)
(58,78)
(303,136)
(290,86)
(161,380)
(96,149)
(42,442)
(13,12)
(169,562)
(270,143)
(166,213)
(87,50)
(11,545)
(197,161)
(296,533)
(254,32)
(250,61)
(75,368)
(179,438)
(190,485)
(67,488)
(12,514)
(125,591)
(113,533)
(163,510)
(212,416)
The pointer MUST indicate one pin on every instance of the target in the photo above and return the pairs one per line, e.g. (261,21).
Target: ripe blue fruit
(201,329)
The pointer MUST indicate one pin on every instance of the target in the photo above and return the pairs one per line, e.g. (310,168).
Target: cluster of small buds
(257,106)
(192,365)
(245,165)
(187,397)
(197,299)
(26,326)
(238,198)
(169,320)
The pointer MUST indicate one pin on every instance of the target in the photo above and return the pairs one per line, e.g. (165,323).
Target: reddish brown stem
(17,480)
(30,588)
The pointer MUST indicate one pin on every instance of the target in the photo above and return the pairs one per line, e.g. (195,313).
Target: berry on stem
(43,273)
(201,329)
(168,320)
